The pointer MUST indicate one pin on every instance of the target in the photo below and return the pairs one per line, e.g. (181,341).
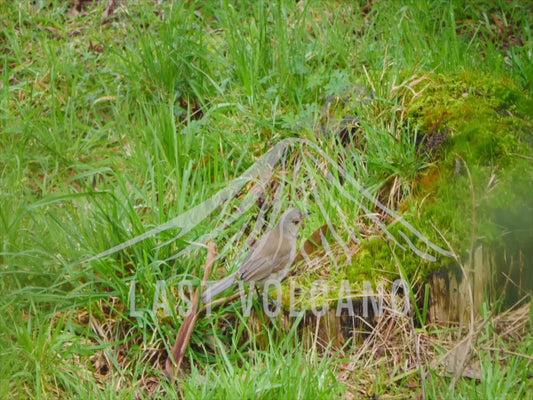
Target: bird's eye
(295,222)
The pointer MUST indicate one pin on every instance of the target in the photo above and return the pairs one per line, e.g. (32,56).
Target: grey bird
(270,258)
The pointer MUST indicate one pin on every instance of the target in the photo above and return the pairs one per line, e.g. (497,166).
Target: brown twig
(184,335)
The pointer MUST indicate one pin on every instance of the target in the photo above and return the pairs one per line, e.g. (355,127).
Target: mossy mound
(477,187)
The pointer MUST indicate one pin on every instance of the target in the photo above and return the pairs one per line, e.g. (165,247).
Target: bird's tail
(218,288)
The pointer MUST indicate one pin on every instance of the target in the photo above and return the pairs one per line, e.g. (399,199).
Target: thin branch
(184,335)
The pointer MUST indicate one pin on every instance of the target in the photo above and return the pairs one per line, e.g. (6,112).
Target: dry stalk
(185,332)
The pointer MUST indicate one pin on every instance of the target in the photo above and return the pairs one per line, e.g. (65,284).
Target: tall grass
(111,127)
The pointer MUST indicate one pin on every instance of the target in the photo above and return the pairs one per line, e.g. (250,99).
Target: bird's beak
(306,214)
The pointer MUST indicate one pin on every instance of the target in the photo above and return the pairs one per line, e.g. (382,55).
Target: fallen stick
(184,335)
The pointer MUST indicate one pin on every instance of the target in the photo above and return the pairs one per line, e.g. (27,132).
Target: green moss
(378,258)
(486,165)
(371,256)
(479,186)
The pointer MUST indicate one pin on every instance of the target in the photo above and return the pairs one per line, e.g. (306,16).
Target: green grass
(109,128)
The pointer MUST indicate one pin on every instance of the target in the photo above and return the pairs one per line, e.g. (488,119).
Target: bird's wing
(270,254)
(256,269)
